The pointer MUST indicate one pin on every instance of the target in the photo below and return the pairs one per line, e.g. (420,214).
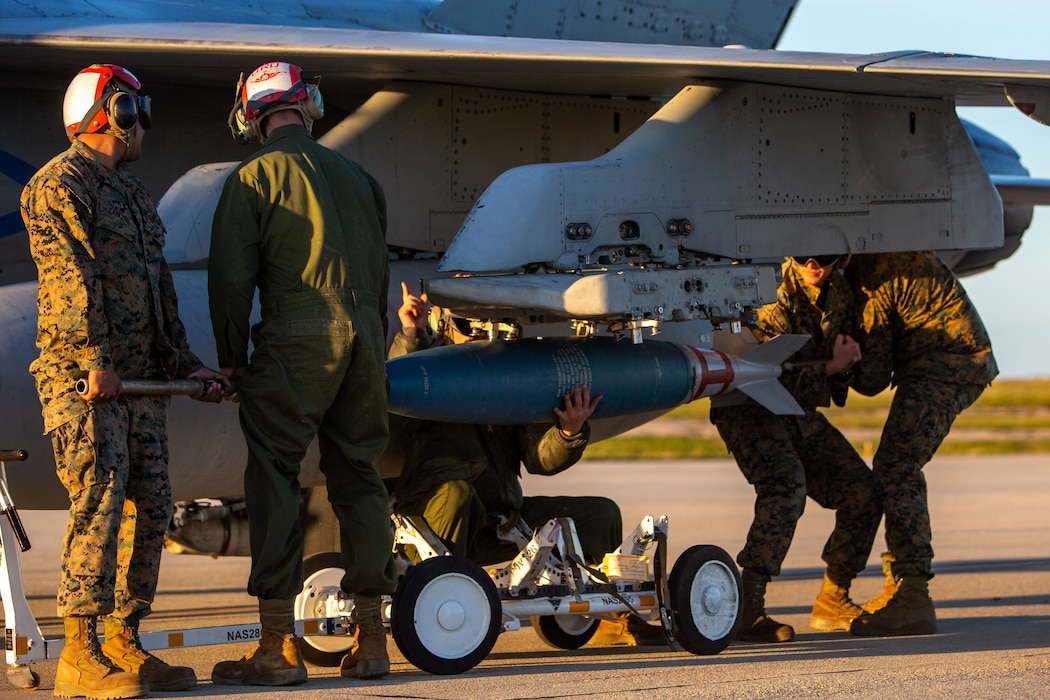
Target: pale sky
(1012,297)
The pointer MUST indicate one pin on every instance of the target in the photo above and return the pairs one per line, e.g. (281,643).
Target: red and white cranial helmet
(270,88)
(104,97)
(272,84)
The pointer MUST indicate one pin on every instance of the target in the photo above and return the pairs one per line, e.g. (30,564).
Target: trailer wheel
(705,599)
(446,615)
(565,631)
(321,576)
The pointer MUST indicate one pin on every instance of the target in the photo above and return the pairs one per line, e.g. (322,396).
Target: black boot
(755,625)
(910,611)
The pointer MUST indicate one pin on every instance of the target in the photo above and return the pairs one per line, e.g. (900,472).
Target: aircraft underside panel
(435,148)
(749,171)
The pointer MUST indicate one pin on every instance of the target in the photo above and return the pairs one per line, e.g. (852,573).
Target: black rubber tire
(705,599)
(553,630)
(446,615)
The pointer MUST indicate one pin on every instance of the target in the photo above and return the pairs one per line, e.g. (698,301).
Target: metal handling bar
(153,387)
(7,506)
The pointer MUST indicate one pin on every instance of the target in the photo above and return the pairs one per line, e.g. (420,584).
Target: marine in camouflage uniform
(919,332)
(106,304)
(787,458)
(307,227)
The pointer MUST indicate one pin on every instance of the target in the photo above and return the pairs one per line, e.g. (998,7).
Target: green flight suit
(463,477)
(306,226)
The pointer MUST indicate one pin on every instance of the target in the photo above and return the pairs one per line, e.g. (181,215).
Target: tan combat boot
(755,625)
(833,610)
(888,589)
(84,671)
(368,658)
(630,630)
(277,660)
(910,611)
(123,647)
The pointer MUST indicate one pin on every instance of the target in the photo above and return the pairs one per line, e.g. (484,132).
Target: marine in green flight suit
(306,227)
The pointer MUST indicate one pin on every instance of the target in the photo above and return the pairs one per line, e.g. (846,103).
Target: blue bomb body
(521,381)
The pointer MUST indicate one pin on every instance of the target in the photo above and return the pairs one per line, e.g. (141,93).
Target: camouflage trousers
(787,459)
(920,416)
(457,515)
(113,461)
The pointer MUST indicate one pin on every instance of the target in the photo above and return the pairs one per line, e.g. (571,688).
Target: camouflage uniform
(787,458)
(307,227)
(462,477)
(917,330)
(106,301)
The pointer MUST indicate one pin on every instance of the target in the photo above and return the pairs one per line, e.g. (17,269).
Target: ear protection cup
(243,130)
(123,110)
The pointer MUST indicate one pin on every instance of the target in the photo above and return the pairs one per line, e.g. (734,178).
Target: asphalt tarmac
(991,523)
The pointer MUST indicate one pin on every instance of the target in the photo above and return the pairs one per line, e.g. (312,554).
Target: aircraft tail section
(754,23)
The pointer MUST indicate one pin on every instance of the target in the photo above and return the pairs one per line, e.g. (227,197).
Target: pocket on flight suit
(316,350)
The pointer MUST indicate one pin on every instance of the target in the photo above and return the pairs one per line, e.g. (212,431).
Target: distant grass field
(1012,416)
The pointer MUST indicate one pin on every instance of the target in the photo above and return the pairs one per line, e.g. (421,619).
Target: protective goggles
(820,260)
(145,110)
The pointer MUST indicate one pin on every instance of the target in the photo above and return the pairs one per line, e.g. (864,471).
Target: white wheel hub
(321,597)
(452,616)
(713,600)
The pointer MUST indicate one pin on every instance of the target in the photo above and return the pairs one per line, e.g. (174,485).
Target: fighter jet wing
(1019,189)
(212,50)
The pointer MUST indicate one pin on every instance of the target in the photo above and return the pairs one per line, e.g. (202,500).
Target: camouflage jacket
(822,314)
(106,297)
(487,456)
(305,225)
(914,320)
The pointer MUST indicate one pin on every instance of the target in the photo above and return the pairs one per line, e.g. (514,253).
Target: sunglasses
(821,260)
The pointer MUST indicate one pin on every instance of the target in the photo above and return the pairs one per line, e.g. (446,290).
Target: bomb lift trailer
(447,612)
